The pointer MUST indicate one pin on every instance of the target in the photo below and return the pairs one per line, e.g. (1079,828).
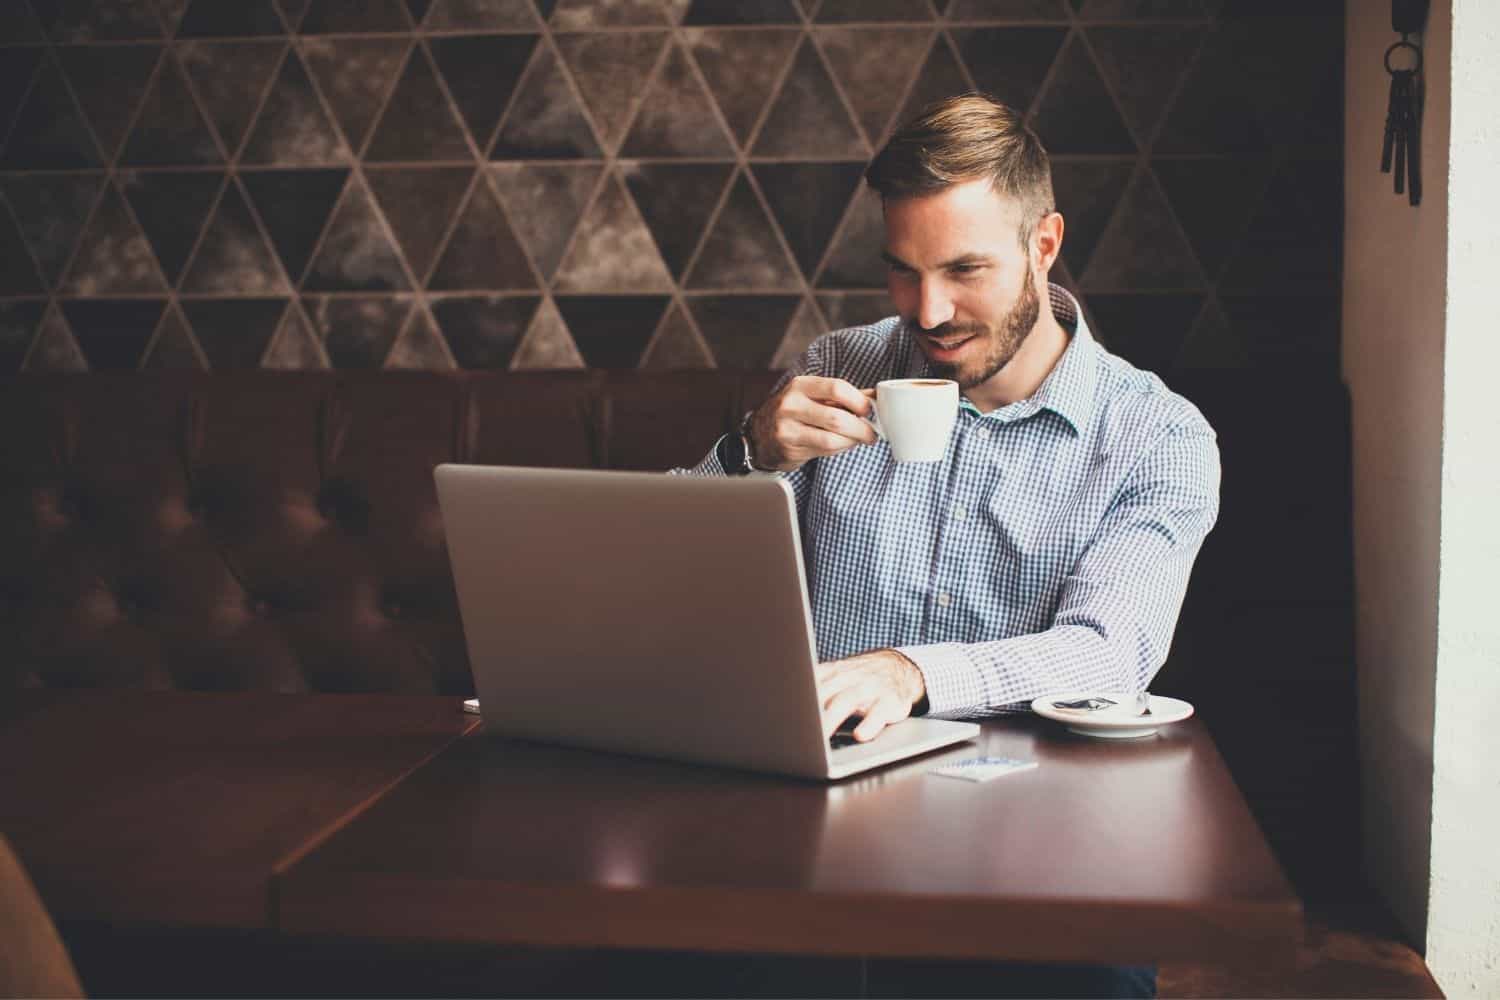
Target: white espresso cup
(915,416)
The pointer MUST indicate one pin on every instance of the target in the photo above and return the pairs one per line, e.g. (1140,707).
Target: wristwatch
(734,450)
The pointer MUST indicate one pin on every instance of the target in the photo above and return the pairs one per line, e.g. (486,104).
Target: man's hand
(810,417)
(882,686)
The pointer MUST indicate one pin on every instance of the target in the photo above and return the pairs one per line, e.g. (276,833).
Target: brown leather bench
(279,531)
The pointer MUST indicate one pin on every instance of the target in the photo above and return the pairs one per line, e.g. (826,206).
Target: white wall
(1423,365)
(1463,924)
(1395,295)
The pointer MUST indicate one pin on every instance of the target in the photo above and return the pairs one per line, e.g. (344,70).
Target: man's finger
(836,392)
(885,712)
(840,707)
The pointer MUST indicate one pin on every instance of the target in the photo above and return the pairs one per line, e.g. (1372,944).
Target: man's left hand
(882,686)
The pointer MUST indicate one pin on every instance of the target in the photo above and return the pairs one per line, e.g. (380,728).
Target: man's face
(960,279)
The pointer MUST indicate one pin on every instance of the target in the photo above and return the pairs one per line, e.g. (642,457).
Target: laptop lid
(644,613)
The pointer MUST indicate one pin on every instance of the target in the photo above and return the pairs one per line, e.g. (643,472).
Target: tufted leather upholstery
(280,532)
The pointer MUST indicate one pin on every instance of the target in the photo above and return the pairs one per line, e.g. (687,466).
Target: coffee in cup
(915,416)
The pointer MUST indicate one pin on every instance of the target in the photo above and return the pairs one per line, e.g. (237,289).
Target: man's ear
(1046,241)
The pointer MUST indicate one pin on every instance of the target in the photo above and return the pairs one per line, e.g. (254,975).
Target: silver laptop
(648,614)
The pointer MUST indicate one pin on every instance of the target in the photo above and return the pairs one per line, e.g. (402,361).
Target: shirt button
(959,512)
(944,600)
(983,433)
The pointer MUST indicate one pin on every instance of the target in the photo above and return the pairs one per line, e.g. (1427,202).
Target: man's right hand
(810,417)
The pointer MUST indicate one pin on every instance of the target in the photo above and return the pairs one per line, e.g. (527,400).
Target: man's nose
(934,307)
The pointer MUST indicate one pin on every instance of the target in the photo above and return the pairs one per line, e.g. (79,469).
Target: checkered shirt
(1050,548)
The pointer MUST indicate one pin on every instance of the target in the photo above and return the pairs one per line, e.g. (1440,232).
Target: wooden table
(176,808)
(1112,851)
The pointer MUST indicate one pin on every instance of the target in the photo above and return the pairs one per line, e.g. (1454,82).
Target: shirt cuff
(710,466)
(946,673)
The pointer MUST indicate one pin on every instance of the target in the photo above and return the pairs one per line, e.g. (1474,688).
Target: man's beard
(1004,340)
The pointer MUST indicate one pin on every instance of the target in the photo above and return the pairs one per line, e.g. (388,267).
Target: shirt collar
(1068,390)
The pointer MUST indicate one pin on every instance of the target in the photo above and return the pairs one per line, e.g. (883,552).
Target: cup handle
(874,421)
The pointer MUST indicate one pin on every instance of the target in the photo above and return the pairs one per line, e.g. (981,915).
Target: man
(1051,547)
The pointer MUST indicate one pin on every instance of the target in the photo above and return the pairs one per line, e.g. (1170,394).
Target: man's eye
(965,270)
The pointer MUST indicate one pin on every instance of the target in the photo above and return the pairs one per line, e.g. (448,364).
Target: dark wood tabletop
(1107,851)
(177,808)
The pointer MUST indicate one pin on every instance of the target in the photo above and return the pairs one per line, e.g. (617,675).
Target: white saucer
(1118,722)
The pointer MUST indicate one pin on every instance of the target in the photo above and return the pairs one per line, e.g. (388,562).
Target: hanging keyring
(1403,44)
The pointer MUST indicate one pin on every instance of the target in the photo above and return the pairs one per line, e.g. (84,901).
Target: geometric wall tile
(483,252)
(846,309)
(419,203)
(171,208)
(1142,247)
(109,82)
(1144,64)
(418,9)
(677,345)
(356,255)
(545,122)
(16,71)
(292,11)
(805,327)
(611,70)
(1009,10)
(420,346)
(1212,344)
(1087,192)
(1146,330)
(230,79)
(234,333)
(855,260)
(808,118)
(111,21)
(941,76)
(1076,113)
(1010,63)
(1197,191)
(874,66)
(343,17)
(677,200)
(174,346)
(741,67)
(740,12)
(51,210)
(292,127)
(113,256)
(418,123)
(18,273)
(1292,241)
(1111,9)
(55,349)
(743,330)
(355,75)
(170,130)
(1296,80)
(483,331)
(588,15)
(217,19)
(294,347)
(547,344)
(49,131)
(18,325)
(874,10)
(494,15)
(233,257)
(481,73)
(1282,330)
(358,332)
(742,250)
(294,205)
(808,200)
(172,13)
(677,116)
(113,333)
(613,250)
(612,331)
(1212,114)
(544,202)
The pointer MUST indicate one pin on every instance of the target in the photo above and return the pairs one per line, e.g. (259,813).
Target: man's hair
(966,138)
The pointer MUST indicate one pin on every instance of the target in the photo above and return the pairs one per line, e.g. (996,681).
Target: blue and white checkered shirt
(1049,550)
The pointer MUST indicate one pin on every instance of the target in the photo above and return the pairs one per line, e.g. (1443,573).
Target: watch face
(732,454)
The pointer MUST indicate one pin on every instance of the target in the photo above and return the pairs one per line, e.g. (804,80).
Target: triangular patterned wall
(614,183)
